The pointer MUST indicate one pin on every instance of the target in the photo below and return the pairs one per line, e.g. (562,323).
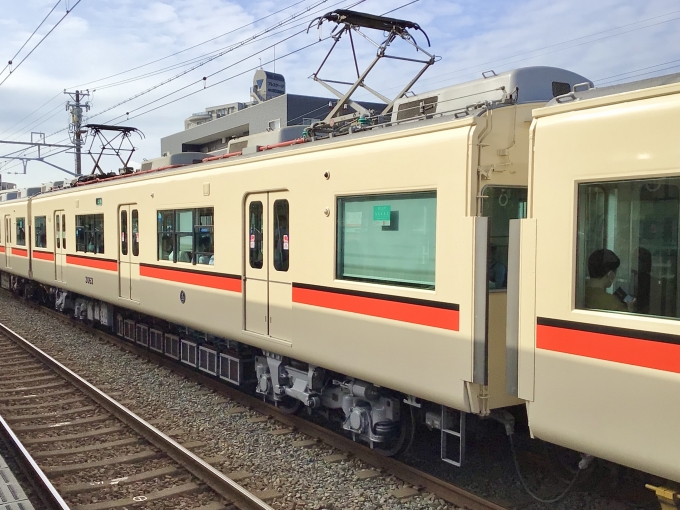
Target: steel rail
(220,483)
(48,494)
(440,488)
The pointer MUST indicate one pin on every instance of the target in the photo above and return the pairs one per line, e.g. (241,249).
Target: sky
(143,62)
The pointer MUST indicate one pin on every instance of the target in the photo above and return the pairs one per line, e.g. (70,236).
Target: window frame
(197,213)
(89,231)
(387,195)
(20,240)
(627,243)
(38,231)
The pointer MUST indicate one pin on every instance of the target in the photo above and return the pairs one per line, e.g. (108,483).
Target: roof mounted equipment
(107,148)
(349,22)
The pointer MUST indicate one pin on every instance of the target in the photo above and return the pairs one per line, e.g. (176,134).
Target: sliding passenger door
(128,251)
(59,245)
(268,289)
(8,239)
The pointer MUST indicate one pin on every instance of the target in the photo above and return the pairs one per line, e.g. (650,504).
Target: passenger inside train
(636,221)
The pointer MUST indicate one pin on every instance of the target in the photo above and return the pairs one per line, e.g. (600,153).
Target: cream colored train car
(600,371)
(364,255)
(15,239)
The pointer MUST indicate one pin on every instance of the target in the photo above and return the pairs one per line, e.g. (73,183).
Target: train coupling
(669,497)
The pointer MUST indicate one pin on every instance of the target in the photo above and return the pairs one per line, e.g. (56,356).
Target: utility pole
(75,106)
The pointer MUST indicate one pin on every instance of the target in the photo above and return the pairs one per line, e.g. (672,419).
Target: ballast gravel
(299,477)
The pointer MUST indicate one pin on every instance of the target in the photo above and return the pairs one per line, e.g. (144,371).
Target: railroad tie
(187,488)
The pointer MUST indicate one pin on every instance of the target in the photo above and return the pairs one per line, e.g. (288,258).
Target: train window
(123,232)
(186,235)
(57,229)
(628,247)
(389,239)
(501,204)
(89,233)
(40,231)
(204,240)
(256,254)
(281,244)
(63,231)
(166,237)
(135,232)
(21,231)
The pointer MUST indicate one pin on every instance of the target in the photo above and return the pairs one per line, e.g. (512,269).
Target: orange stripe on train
(375,307)
(619,349)
(215,281)
(43,255)
(106,265)
(21,252)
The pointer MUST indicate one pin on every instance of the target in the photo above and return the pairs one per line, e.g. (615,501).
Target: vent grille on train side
(417,108)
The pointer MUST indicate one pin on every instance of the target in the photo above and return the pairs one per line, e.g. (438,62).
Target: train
(506,243)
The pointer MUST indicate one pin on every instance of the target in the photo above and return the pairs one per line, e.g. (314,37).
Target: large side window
(89,233)
(21,231)
(388,239)
(627,246)
(40,223)
(186,235)
(501,204)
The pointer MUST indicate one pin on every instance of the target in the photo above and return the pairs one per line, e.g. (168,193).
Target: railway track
(89,452)
(423,482)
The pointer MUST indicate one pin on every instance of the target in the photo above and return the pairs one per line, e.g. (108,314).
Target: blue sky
(608,41)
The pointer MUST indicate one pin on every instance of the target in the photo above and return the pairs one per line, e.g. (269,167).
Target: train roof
(536,84)
(592,93)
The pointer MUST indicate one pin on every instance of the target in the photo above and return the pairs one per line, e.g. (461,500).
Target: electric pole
(75,106)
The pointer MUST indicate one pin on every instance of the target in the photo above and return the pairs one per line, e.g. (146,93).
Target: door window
(123,232)
(135,233)
(57,228)
(256,254)
(281,244)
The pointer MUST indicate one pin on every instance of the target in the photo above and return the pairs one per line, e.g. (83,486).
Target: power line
(213,74)
(200,80)
(303,14)
(497,61)
(30,37)
(190,47)
(39,42)
(32,113)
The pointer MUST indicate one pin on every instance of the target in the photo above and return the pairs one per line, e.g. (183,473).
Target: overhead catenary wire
(30,37)
(154,61)
(498,61)
(303,14)
(209,57)
(190,47)
(40,41)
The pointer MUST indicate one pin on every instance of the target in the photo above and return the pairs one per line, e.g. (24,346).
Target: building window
(627,246)
(40,231)
(90,233)
(388,239)
(21,231)
(186,235)
(274,124)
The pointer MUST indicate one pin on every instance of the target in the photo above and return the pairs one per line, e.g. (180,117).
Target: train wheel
(403,438)
(288,405)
